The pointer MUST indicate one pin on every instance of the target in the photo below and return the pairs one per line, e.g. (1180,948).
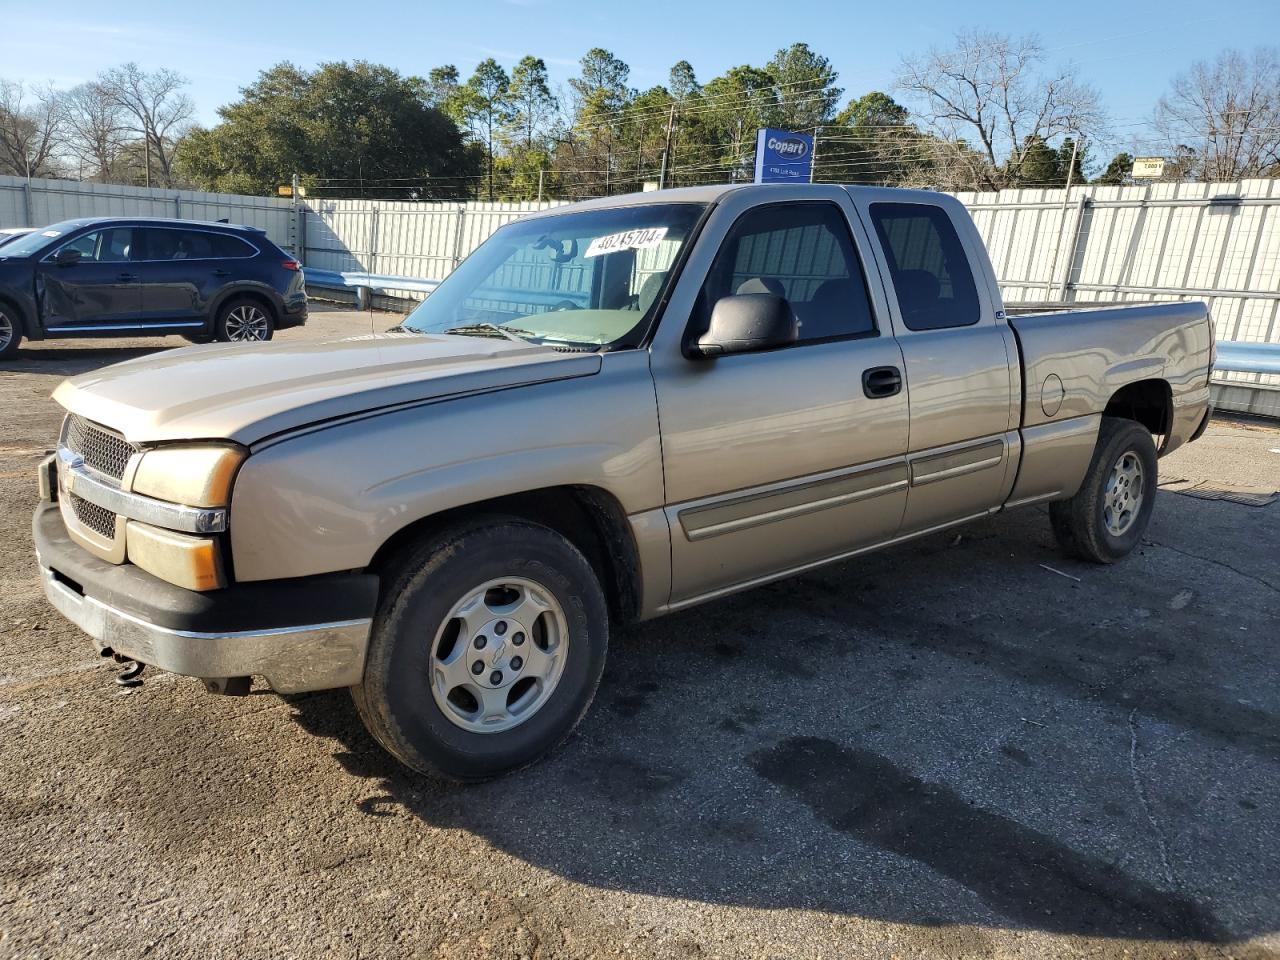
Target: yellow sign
(285,190)
(1148,168)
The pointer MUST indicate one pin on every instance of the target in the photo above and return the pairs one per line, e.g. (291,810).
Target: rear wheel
(10,332)
(1107,517)
(243,320)
(486,650)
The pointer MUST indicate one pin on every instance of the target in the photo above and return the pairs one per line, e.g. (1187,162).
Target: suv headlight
(196,476)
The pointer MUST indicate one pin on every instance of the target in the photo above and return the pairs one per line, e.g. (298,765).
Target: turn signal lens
(190,562)
(193,476)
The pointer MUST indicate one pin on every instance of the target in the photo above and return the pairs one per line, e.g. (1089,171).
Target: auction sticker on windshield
(627,240)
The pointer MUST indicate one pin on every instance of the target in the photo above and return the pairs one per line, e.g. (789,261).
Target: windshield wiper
(490,329)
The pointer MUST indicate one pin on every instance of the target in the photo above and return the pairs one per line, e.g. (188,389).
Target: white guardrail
(1235,356)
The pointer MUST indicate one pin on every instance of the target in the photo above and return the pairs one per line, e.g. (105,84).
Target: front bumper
(306,634)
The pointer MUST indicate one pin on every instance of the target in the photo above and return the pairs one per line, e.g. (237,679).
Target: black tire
(1081,523)
(240,315)
(10,332)
(397,700)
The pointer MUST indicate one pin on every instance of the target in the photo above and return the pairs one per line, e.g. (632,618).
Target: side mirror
(746,322)
(66,257)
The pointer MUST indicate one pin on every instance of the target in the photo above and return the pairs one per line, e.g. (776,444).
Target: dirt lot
(943,750)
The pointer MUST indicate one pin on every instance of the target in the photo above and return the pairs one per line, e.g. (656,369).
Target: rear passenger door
(777,459)
(964,393)
(183,271)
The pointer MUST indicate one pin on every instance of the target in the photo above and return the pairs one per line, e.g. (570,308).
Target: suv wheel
(243,320)
(10,332)
(486,651)
(1107,517)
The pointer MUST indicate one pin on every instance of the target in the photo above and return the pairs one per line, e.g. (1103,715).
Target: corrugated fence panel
(54,200)
(1219,242)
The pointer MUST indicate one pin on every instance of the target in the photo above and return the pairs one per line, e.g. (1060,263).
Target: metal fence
(423,240)
(35,203)
(1219,242)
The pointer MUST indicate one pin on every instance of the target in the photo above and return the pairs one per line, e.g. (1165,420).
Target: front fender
(23,302)
(329,498)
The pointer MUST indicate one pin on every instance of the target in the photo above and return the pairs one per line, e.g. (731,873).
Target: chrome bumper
(318,656)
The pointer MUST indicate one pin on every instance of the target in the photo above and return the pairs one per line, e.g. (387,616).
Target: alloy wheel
(246,322)
(1122,497)
(499,654)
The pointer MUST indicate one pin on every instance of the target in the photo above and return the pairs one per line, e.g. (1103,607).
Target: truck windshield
(589,279)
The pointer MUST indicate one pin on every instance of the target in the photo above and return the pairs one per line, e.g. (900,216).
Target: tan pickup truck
(609,411)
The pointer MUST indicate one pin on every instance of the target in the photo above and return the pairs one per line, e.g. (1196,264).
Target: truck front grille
(100,448)
(98,519)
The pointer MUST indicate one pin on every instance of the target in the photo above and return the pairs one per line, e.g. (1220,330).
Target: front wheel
(486,651)
(1107,517)
(10,333)
(243,320)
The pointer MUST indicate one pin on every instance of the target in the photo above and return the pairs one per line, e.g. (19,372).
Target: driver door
(782,458)
(100,290)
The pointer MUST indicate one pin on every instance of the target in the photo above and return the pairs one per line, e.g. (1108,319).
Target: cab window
(804,253)
(930,271)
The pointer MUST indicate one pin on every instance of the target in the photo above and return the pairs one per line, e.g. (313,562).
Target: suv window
(160,243)
(800,251)
(931,274)
(102,246)
(229,247)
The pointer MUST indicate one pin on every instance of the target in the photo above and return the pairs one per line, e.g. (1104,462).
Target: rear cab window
(931,273)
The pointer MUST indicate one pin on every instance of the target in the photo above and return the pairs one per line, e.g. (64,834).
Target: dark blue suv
(112,276)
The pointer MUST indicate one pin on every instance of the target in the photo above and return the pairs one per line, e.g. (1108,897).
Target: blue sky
(1129,50)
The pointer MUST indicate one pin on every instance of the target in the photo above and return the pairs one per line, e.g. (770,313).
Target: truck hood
(246,392)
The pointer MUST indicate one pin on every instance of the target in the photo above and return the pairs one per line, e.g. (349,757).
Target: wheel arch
(246,293)
(589,517)
(1148,402)
(26,325)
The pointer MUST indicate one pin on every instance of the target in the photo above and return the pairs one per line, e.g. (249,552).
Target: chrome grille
(98,519)
(104,451)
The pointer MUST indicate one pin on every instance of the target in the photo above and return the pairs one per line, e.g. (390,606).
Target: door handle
(880,382)
(127,277)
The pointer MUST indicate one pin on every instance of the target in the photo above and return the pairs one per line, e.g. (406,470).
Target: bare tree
(31,125)
(986,95)
(158,111)
(96,130)
(1232,107)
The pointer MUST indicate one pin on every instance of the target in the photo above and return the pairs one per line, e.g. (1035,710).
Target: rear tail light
(290,264)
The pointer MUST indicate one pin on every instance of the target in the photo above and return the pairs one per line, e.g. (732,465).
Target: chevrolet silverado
(608,412)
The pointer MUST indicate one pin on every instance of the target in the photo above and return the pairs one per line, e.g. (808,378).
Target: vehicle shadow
(70,361)
(945,734)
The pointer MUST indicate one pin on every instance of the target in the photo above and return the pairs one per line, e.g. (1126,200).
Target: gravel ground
(942,750)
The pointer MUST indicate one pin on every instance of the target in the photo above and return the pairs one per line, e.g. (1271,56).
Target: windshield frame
(641,333)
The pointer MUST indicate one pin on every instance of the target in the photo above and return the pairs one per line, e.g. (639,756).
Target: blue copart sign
(783,157)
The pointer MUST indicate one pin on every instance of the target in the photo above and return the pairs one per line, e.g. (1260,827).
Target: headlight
(196,476)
